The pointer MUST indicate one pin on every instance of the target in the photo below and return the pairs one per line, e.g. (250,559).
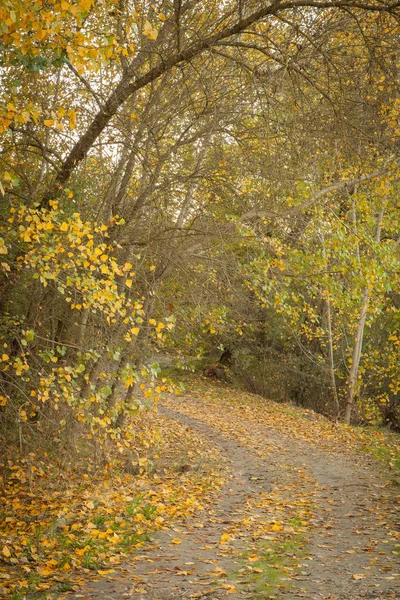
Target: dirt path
(349,555)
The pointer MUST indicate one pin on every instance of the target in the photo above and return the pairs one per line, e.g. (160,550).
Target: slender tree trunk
(121,419)
(82,327)
(352,379)
(358,342)
(94,375)
(331,359)
(330,340)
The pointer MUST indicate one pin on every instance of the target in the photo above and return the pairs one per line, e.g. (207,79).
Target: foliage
(176,183)
(127,179)
(93,518)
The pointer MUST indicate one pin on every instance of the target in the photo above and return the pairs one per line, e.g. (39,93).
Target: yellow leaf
(72,119)
(106,572)
(149,31)
(229,588)
(152,268)
(176,541)
(64,227)
(276,527)
(4,357)
(52,563)
(45,571)
(43,586)
(128,283)
(48,122)
(253,558)
(6,552)
(85,4)
(135,330)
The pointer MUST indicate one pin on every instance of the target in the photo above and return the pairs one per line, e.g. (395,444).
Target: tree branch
(289,212)
(130,84)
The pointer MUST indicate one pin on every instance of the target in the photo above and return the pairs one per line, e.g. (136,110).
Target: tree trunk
(352,379)
(94,375)
(331,359)
(358,342)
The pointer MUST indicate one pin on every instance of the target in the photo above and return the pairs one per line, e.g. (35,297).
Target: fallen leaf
(106,572)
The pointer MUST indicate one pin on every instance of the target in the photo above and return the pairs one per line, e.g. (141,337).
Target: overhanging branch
(295,210)
(130,84)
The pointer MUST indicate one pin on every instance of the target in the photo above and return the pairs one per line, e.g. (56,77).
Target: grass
(267,567)
(384,446)
(133,507)
(90,561)
(99,520)
(65,586)
(131,541)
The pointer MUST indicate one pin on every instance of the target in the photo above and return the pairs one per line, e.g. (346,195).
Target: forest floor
(264,501)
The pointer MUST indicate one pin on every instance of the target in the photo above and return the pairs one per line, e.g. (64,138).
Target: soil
(348,557)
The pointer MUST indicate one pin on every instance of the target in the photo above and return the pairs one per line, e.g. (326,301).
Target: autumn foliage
(179,182)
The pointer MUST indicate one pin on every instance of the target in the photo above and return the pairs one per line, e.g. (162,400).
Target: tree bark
(358,342)
(331,359)
(352,379)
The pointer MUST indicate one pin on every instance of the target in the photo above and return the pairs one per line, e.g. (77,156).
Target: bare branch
(340,185)
(130,84)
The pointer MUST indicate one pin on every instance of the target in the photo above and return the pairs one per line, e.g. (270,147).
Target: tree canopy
(177,179)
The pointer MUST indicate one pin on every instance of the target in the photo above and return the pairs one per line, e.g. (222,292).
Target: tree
(134,136)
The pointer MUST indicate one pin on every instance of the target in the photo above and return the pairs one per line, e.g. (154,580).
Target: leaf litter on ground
(63,522)
(63,525)
(279,524)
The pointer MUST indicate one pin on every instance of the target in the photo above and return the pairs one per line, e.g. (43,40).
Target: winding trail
(348,556)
